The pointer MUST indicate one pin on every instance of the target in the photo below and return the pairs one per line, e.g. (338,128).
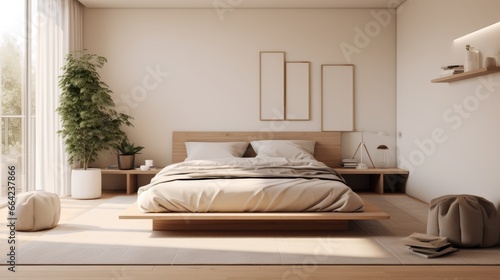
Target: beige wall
(178,69)
(449,133)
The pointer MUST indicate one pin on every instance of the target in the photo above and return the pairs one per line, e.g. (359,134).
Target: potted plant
(89,121)
(126,152)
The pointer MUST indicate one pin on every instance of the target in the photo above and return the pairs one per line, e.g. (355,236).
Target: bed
(288,205)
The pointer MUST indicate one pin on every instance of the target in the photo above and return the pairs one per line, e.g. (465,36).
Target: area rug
(96,237)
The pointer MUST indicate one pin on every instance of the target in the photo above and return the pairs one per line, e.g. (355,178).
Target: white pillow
(290,149)
(212,150)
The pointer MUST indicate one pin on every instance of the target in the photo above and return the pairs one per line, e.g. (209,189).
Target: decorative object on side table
(125,153)
(349,163)
(149,163)
(362,145)
(89,122)
(383,156)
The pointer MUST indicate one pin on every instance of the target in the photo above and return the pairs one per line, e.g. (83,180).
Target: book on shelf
(449,72)
(452,66)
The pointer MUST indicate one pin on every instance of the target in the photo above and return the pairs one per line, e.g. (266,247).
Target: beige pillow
(290,149)
(213,150)
(37,210)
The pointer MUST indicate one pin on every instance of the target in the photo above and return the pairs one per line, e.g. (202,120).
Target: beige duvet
(248,185)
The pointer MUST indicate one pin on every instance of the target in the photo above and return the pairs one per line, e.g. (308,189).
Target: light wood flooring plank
(254,272)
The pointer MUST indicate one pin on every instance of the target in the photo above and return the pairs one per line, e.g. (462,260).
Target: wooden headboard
(327,148)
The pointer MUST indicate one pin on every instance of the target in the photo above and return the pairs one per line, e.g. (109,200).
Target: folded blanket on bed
(248,185)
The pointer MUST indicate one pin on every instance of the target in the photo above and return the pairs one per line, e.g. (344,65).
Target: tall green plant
(89,121)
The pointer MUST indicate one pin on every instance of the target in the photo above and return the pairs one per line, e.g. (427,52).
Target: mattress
(248,185)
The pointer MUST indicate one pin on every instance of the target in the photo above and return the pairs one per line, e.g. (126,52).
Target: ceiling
(241,4)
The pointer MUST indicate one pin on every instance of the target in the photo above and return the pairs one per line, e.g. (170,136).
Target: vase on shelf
(471,60)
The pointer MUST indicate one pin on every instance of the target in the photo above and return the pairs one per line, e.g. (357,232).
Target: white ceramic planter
(86,184)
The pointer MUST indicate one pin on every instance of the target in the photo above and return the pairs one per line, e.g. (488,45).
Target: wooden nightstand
(376,176)
(131,176)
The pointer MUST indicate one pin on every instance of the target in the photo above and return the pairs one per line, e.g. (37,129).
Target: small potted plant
(126,152)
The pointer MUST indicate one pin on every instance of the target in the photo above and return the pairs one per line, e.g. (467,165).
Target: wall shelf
(466,75)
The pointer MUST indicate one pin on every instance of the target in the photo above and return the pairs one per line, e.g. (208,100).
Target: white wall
(210,68)
(449,133)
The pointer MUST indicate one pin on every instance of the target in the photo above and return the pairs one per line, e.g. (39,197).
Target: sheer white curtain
(59,31)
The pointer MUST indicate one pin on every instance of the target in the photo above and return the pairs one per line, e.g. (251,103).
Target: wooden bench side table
(376,175)
(131,176)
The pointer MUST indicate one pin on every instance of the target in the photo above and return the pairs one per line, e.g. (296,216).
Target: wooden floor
(310,272)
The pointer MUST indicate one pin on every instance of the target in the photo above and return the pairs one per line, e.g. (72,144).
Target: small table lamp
(383,156)
(362,145)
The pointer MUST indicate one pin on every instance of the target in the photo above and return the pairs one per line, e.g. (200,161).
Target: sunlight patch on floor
(340,247)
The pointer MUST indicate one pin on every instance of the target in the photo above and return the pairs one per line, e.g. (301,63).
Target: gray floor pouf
(37,210)
(467,220)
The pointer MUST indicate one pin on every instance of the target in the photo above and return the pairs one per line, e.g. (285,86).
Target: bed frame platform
(327,150)
(254,221)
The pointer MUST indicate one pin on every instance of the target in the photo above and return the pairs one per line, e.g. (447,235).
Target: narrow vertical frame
(337,97)
(297,97)
(272,85)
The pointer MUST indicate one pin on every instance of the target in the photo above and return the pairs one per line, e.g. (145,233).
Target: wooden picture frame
(298,92)
(272,85)
(337,97)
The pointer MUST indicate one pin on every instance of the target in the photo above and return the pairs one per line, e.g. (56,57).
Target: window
(35,35)
(15,90)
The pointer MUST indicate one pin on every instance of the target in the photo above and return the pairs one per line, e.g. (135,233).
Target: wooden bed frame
(327,150)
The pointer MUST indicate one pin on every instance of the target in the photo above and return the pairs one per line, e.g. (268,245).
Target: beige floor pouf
(37,210)
(467,220)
